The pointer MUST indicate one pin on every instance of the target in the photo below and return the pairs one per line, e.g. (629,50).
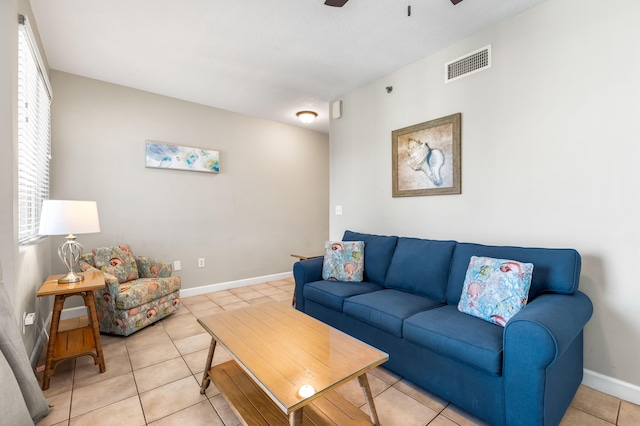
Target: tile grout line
(135,381)
(388,385)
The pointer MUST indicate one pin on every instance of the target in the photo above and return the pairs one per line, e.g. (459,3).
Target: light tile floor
(153,378)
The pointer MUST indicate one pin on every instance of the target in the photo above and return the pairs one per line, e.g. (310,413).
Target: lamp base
(70,277)
(70,253)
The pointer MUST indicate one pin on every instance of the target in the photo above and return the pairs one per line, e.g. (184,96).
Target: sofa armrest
(153,268)
(111,282)
(106,295)
(306,271)
(543,356)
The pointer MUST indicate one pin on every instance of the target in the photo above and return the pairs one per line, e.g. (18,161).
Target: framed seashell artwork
(166,156)
(426,158)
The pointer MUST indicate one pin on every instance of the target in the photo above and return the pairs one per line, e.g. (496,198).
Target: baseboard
(611,386)
(43,338)
(188,292)
(78,311)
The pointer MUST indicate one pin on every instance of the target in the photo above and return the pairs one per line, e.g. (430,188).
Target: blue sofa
(525,373)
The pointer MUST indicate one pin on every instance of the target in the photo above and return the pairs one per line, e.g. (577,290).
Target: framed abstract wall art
(166,156)
(426,158)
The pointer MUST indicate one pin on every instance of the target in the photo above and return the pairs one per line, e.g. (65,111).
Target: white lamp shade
(63,217)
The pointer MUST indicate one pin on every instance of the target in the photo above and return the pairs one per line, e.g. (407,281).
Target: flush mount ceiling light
(306,116)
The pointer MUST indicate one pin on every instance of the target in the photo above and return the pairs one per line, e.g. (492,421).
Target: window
(34,134)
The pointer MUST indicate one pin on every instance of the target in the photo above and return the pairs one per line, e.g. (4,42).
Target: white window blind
(34,134)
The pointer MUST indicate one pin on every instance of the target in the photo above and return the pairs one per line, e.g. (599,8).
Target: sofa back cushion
(421,267)
(554,270)
(378,250)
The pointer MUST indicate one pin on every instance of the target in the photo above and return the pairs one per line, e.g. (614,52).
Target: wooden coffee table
(278,354)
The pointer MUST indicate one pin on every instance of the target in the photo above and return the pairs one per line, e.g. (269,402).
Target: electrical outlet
(201,262)
(177,265)
(27,319)
(338,210)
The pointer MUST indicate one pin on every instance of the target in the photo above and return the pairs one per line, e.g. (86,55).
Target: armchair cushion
(135,293)
(117,261)
(152,268)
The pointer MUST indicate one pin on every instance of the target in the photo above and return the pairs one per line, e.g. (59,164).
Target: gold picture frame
(426,158)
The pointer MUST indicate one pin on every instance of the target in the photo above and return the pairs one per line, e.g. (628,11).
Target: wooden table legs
(90,303)
(206,379)
(72,343)
(295,417)
(58,304)
(364,384)
(252,399)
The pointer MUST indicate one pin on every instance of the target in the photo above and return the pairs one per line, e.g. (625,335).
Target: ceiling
(265,58)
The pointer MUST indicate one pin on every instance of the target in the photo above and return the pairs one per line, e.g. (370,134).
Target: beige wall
(8,135)
(23,268)
(269,200)
(550,157)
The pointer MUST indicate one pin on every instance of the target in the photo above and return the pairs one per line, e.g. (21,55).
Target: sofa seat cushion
(421,267)
(458,336)
(124,322)
(333,293)
(387,309)
(143,290)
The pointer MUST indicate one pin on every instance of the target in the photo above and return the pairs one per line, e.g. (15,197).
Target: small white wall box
(336,109)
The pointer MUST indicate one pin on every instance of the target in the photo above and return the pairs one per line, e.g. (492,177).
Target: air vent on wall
(468,64)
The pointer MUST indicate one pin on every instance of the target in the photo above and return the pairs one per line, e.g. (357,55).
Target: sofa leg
(364,384)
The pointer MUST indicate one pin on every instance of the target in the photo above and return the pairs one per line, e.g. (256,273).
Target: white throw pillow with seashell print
(343,261)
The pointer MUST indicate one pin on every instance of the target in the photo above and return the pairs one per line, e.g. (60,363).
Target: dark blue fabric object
(387,309)
(456,356)
(378,250)
(333,293)
(458,336)
(554,270)
(421,267)
(466,387)
(305,271)
(545,336)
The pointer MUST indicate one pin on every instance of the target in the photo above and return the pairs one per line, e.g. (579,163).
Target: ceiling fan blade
(339,3)
(455,2)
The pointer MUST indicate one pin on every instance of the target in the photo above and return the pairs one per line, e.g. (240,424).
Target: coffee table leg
(205,378)
(295,417)
(364,384)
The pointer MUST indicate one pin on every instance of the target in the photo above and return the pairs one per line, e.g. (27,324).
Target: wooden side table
(77,342)
(302,257)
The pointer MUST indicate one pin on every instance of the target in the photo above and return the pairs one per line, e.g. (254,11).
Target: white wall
(550,155)
(269,200)
(8,138)
(22,269)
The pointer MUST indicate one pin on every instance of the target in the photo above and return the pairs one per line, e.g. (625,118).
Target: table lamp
(65,217)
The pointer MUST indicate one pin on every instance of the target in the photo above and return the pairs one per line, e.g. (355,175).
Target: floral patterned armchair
(139,291)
